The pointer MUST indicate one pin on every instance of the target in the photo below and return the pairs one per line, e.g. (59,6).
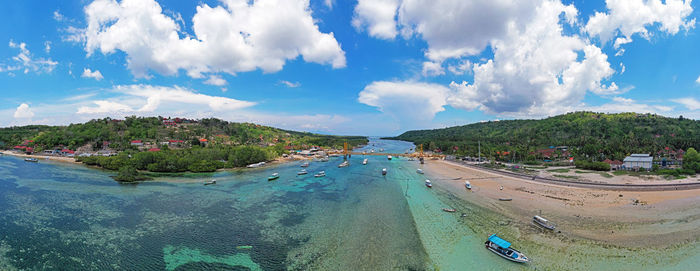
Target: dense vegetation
(199,146)
(589,136)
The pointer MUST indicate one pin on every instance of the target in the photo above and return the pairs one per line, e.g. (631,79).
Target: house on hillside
(638,161)
(136,143)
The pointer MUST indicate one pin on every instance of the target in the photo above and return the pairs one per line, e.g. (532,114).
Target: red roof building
(154,149)
(203,140)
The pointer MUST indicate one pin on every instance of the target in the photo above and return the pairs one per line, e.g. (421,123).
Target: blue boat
(502,247)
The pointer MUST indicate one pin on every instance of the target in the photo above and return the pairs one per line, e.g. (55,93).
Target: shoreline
(44,157)
(628,218)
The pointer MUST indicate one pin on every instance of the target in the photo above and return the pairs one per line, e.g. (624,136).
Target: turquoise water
(69,217)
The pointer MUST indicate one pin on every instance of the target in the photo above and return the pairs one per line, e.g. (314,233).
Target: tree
(128,174)
(691,160)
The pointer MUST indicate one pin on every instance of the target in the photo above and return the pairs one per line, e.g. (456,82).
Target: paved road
(601,186)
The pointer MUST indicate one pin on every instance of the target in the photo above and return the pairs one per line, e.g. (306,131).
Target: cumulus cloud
(537,69)
(216,80)
(237,36)
(408,102)
(688,102)
(697,80)
(147,99)
(23,112)
(87,73)
(620,104)
(290,84)
(377,16)
(26,62)
(630,17)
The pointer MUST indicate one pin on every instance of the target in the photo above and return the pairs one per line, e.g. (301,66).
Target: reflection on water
(74,218)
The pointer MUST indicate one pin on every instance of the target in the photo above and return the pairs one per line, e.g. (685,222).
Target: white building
(638,161)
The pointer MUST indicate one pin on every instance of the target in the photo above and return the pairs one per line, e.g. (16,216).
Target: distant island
(585,137)
(158,144)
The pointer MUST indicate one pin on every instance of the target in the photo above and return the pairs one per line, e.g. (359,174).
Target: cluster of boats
(34,160)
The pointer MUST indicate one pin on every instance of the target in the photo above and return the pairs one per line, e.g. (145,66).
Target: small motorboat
(384,171)
(364,162)
(505,199)
(324,159)
(502,248)
(320,174)
(34,160)
(274,176)
(428,184)
(344,164)
(468,185)
(210,182)
(543,222)
(388,157)
(305,164)
(449,210)
(302,172)
(419,171)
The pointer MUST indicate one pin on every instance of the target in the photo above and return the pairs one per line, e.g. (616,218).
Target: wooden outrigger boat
(541,221)
(428,184)
(419,171)
(449,210)
(305,164)
(502,248)
(320,174)
(468,185)
(302,172)
(210,182)
(34,160)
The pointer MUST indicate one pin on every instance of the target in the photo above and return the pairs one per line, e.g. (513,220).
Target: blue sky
(376,67)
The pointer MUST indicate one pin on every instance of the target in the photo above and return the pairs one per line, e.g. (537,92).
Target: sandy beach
(43,157)
(627,218)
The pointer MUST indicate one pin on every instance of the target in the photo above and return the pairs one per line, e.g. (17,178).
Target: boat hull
(543,225)
(520,259)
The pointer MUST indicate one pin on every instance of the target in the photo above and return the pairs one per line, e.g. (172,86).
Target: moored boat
(384,171)
(502,248)
(344,164)
(543,222)
(419,171)
(428,183)
(302,172)
(389,157)
(31,160)
(449,210)
(320,174)
(468,185)
(274,176)
(305,164)
(210,182)
(256,165)
(364,162)
(505,199)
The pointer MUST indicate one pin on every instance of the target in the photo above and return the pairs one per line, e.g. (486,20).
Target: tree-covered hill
(595,136)
(118,134)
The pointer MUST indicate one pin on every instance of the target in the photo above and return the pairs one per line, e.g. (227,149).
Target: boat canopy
(498,241)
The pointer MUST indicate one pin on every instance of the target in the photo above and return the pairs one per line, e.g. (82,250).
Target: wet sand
(627,218)
(40,157)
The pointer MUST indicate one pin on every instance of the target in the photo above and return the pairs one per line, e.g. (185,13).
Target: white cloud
(87,73)
(47,46)
(431,68)
(26,62)
(410,103)
(631,17)
(697,80)
(23,112)
(147,99)
(688,102)
(620,104)
(461,68)
(237,36)
(328,3)
(58,16)
(377,16)
(536,69)
(290,84)
(216,80)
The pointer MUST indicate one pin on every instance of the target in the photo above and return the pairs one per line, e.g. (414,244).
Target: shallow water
(69,217)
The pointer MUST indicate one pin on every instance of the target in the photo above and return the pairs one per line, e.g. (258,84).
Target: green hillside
(594,136)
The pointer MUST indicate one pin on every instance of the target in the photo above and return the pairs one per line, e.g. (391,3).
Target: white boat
(31,160)
(344,164)
(302,172)
(384,171)
(544,222)
(428,183)
(364,162)
(274,176)
(324,159)
(389,157)
(419,171)
(256,165)
(502,248)
(210,182)
(320,174)
(468,185)
(305,164)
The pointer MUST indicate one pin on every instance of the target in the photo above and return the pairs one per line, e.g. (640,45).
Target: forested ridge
(588,135)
